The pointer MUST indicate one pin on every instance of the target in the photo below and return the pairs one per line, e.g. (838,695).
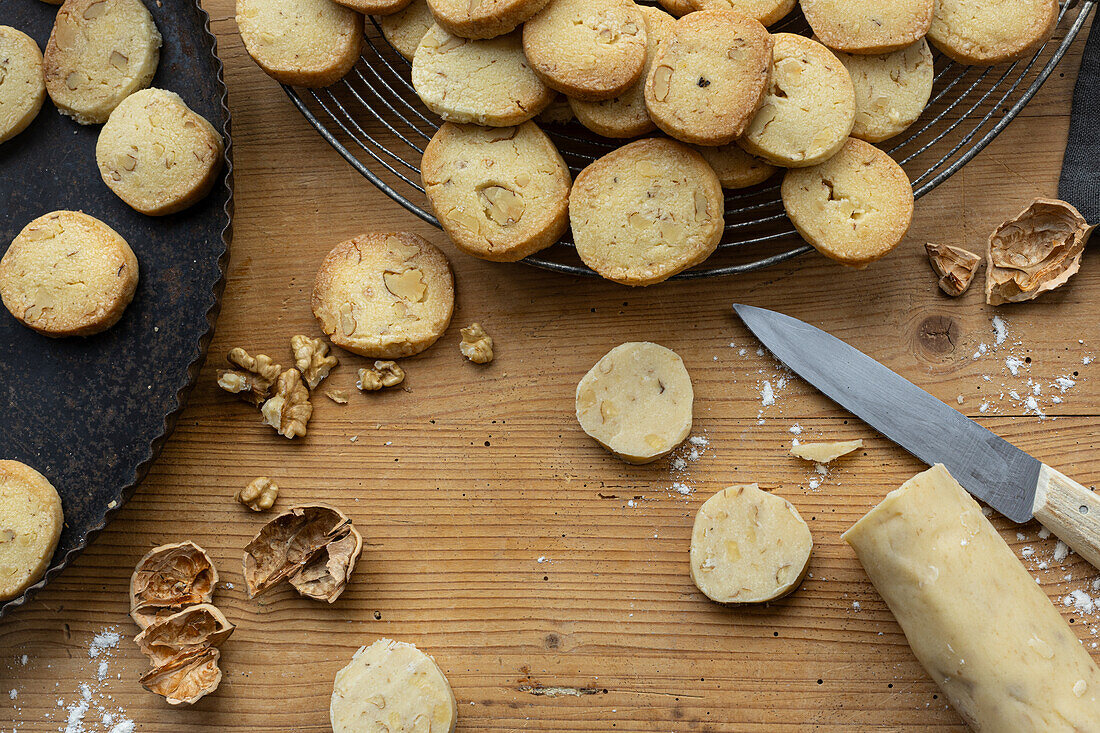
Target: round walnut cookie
(748,546)
(646,211)
(30,525)
(809,109)
(854,208)
(765,11)
(500,193)
(99,53)
(156,154)
(891,89)
(985,32)
(736,168)
(483,18)
(375,7)
(68,274)
(383,295)
(587,49)
(407,28)
(22,87)
(484,82)
(709,77)
(310,43)
(869,26)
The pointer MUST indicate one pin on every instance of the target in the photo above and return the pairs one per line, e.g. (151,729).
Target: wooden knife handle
(1069,510)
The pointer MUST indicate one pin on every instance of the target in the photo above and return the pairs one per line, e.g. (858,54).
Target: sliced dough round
(158,155)
(587,49)
(407,28)
(484,82)
(736,168)
(309,43)
(392,685)
(22,84)
(636,401)
(68,274)
(646,211)
(626,115)
(854,208)
(891,89)
(500,193)
(483,19)
(710,76)
(748,546)
(30,525)
(810,107)
(765,11)
(986,32)
(384,296)
(868,26)
(99,53)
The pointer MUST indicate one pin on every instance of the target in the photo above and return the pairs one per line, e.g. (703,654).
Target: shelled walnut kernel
(476,345)
(290,409)
(382,374)
(259,495)
(312,359)
(253,380)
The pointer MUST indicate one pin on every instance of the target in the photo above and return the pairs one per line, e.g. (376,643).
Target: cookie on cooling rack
(477,19)
(709,77)
(869,26)
(500,193)
(30,525)
(765,11)
(22,86)
(587,49)
(854,208)
(678,8)
(484,82)
(891,89)
(99,53)
(985,32)
(156,154)
(559,112)
(646,211)
(734,167)
(626,115)
(68,274)
(809,109)
(384,295)
(309,43)
(405,29)
(375,7)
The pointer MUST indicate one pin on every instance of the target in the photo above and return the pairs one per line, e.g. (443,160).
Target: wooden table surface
(549,580)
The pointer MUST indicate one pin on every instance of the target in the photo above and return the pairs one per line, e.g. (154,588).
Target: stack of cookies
(735,102)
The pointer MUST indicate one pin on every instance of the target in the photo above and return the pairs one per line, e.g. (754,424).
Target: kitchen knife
(989,467)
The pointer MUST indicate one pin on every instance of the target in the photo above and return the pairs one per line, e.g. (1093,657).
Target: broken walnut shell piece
(187,678)
(325,577)
(184,632)
(955,266)
(293,541)
(169,578)
(1036,252)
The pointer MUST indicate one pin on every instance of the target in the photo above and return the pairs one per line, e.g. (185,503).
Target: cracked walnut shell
(169,578)
(955,266)
(259,495)
(476,345)
(253,381)
(187,631)
(186,678)
(312,359)
(1037,251)
(290,409)
(383,374)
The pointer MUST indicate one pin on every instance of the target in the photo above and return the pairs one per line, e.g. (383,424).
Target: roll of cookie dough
(22,84)
(974,617)
(636,401)
(392,685)
(30,524)
(748,546)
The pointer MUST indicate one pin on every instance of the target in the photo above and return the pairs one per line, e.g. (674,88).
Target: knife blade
(989,467)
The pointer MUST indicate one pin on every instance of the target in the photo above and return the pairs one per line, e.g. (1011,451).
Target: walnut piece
(477,346)
(192,629)
(186,678)
(252,381)
(169,578)
(383,374)
(290,409)
(259,495)
(312,359)
(955,266)
(1036,252)
(314,547)
(339,396)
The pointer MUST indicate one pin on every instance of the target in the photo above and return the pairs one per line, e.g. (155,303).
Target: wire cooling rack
(375,120)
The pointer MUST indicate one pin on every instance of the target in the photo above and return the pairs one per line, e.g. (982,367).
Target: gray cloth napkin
(1080,182)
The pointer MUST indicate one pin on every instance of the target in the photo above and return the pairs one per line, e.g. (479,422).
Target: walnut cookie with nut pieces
(891,89)
(22,84)
(709,77)
(384,295)
(483,18)
(500,193)
(406,29)
(985,32)
(765,11)
(30,525)
(868,26)
(310,43)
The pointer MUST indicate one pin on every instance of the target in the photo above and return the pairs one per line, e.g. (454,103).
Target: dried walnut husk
(169,578)
(312,359)
(190,630)
(186,678)
(308,546)
(254,377)
(955,266)
(1036,252)
(290,409)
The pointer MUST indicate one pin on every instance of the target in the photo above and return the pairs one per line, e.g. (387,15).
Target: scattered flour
(796,429)
(1000,330)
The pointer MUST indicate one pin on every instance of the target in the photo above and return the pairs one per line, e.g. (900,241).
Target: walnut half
(312,359)
(383,374)
(259,495)
(168,578)
(290,409)
(955,266)
(253,379)
(476,345)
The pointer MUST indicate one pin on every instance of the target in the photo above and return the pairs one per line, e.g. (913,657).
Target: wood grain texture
(463,480)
